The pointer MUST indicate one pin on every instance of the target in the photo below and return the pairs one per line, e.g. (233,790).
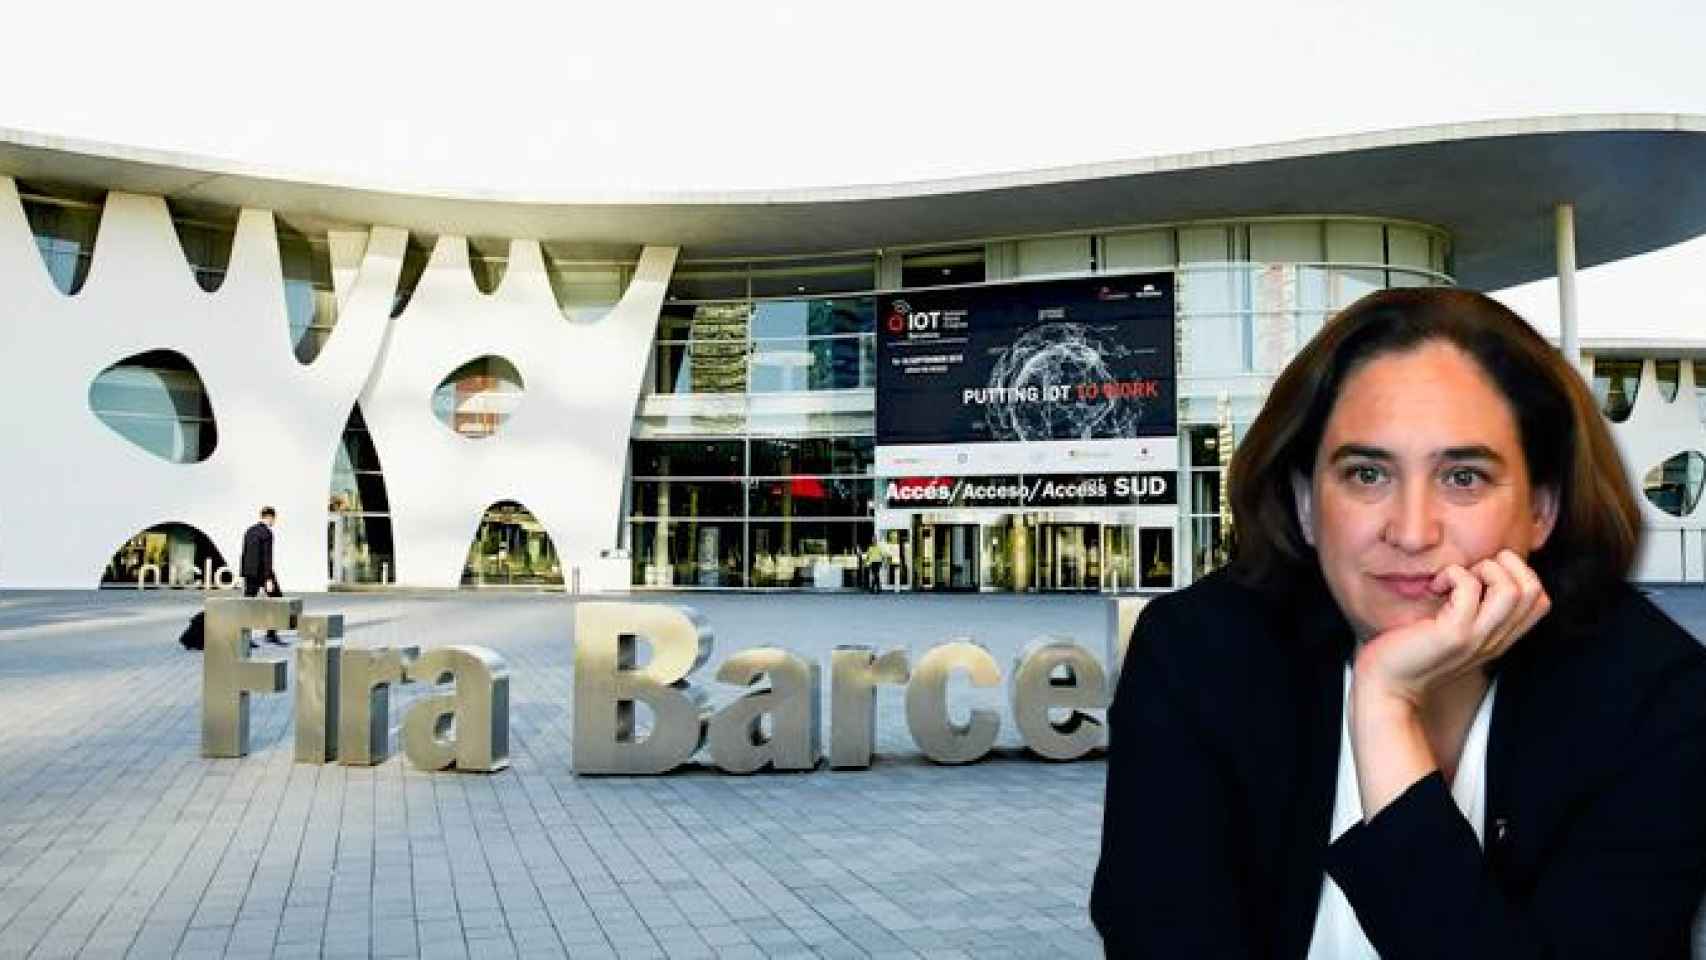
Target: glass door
(1117,568)
(926,565)
(956,556)
(1069,557)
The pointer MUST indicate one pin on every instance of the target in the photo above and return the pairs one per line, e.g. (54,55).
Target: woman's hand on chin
(1485,610)
(1401,672)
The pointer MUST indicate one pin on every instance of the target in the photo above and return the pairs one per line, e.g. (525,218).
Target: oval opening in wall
(156,400)
(477,397)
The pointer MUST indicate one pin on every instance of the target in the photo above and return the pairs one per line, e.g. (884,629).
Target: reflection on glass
(1214,335)
(786,554)
(688,498)
(812,455)
(779,365)
(174,554)
(511,547)
(586,291)
(813,318)
(1155,557)
(358,539)
(688,553)
(1674,486)
(784,422)
(156,401)
(820,363)
(309,299)
(942,268)
(998,546)
(416,253)
(1209,553)
(476,398)
(688,458)
(708,281)
(1616,380)
(207,233)
(64,223)
(1205,446)
(1345,287)
(837,275)
(810,497)
(488,261)
(1668,373)
(1700,387)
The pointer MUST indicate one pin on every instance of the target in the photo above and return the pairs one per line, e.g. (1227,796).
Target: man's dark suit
(256,565)
(1223,758)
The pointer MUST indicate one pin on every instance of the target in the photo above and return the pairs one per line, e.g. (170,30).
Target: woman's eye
(1365,475)
(1462,478)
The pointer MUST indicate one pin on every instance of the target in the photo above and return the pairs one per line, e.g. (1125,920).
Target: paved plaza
(117,839)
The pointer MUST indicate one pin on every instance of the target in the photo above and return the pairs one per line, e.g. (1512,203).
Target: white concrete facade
(1673,549)
(75,489)
(562,454)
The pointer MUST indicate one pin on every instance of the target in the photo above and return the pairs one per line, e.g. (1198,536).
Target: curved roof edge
(1638,182)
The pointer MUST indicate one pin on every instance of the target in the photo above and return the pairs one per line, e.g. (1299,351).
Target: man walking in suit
(256,565)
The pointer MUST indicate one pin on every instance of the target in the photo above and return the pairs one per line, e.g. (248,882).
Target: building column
(1569,340)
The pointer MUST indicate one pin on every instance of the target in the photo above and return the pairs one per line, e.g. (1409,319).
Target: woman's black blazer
(1223,758)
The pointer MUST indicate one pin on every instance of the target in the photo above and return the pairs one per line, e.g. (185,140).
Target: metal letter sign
(609,681)
(1037,689)
(854,673)
(629,654)
(228,674)
(467,728)
(927,703)
(793,703)
(317,667)
(364,702)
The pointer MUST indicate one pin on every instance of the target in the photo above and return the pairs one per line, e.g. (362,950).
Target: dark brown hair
(1565,441)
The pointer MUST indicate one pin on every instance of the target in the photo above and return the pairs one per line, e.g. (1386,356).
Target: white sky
(559,97)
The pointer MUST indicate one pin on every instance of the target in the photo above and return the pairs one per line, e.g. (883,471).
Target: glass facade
(1250,295)
(309,298)
(588,283)
(940,268)
(1616,381)
(64,222)
(772,346)
(206,233)
(168,554)
(477,397)
(752,464)
(759,511)
(416,252)
(488,261)
(358,535)
(1674,486)
(511,548)
(156,401)
(1700,387)
(765,384)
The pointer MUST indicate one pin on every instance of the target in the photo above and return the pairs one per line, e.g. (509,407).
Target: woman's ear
(1303,496)
(1545,516)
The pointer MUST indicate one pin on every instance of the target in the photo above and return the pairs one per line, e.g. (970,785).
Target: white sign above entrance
(1029,457)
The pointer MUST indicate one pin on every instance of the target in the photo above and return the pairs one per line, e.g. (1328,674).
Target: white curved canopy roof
(1638,182)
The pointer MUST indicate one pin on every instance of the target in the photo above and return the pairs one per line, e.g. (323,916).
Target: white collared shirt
(1338,935)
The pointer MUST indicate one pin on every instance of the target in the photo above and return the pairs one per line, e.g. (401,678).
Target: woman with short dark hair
(1421,714)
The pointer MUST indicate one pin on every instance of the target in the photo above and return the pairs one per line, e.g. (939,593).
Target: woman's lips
(1409,587)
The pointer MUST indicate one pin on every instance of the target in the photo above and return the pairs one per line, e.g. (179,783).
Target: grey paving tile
(131,844)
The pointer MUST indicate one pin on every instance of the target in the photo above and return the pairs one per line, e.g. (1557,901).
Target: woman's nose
(1413,524)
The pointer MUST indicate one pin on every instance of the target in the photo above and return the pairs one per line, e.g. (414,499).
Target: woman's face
(1420,467)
